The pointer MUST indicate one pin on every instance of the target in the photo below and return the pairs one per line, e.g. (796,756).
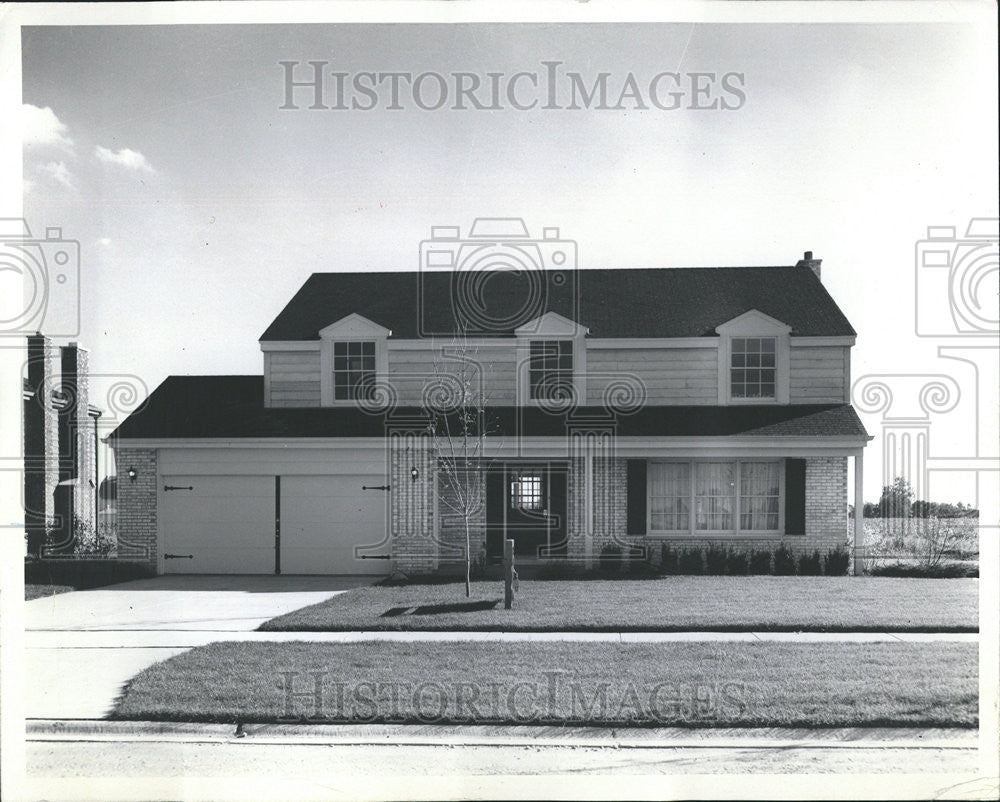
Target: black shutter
(636,475)
(795,496)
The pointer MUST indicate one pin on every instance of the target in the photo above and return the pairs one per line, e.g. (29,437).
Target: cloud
(42,127)
(57,171)
(130,159)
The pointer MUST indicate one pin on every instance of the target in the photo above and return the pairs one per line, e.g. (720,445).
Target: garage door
(226,524)
(330,525)
(217,524)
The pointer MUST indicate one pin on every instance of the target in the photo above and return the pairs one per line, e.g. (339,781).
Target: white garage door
(217,524)
(226,524)
(329,525)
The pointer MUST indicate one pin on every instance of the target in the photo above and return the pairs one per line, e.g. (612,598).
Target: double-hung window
(353,369)
(705,497)
(753,371)
(550,369)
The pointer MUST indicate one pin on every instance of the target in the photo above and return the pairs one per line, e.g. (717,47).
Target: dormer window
(550,369)
(753,368)
(754,359)
(353,360)
(353,369)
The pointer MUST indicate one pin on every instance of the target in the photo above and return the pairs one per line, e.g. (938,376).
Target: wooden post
(859,515)
(508,574)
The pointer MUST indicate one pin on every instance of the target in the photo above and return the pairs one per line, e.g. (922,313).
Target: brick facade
(416,553)
(137,518)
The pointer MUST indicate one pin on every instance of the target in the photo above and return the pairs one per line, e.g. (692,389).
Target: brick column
(414,542)
(136,515)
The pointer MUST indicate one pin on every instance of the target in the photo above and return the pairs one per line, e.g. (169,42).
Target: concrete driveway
(81,678)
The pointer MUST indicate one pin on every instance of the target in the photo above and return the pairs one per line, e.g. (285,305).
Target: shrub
(784,561)
(737,563)
(942,571)
(715,560)
(760,562)
(669,560)
(691,562)
(82,573)
(611,558)
(810,564)
(837,562)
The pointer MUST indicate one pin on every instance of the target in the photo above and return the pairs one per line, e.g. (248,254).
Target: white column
(859,514)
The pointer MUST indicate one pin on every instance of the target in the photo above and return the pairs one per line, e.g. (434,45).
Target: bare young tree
(458,403)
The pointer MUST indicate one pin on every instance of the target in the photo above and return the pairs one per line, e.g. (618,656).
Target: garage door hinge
(178,556)
(177,487)
(374,487)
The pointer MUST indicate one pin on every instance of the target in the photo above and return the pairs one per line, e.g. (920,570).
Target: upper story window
(550,369)
(353,369)
(753,368)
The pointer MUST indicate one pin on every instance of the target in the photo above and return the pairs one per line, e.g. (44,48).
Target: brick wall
(826,503)
(137,505)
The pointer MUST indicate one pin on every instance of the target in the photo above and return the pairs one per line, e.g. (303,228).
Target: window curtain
(670,495)
(715,490)
(759,495)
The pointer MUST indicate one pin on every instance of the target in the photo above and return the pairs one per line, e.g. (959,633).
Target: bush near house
(784,561)
(837,562)
(737,563)
(691,562)
(810,564)
(760,562)
(74,573)
(715,560)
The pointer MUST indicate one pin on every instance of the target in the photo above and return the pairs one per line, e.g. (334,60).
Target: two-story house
(624,407)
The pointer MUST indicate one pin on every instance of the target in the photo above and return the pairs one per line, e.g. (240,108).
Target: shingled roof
(660,302)
(232,407)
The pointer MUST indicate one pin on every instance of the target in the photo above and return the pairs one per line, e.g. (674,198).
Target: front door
(526,502)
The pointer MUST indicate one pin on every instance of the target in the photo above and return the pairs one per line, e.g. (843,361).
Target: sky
(201,206)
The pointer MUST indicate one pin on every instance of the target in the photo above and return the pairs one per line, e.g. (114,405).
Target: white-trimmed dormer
(551,353)
(352,350)
(753,359)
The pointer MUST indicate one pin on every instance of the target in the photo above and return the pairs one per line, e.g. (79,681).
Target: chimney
(813,264)
(76,450)
(41,442)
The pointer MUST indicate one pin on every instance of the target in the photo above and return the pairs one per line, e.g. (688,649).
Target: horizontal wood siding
(411,370)
(669,375)
(294,378)
(818,374)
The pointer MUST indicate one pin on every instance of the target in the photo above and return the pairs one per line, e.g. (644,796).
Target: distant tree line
(897,502)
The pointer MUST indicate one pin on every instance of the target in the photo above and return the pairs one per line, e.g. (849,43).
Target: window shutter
(636,495)
(795,496)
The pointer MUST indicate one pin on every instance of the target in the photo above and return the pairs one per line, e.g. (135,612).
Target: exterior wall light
(414,473)
(132,473)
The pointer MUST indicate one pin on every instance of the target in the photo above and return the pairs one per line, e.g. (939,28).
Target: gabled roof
(659,302)
(232,407)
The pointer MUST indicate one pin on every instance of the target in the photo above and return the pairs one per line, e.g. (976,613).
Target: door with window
(526,502)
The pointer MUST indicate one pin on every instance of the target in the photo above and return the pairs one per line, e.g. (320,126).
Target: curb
(41,730)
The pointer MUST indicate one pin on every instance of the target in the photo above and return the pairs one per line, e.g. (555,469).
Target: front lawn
(564,683)
(670,604)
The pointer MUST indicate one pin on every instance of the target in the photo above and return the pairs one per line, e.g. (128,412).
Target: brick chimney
(76,450)
(41,442)
(813,264)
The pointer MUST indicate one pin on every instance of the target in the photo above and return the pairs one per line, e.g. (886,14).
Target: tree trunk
(468,558)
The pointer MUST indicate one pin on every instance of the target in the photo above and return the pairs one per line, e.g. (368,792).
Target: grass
(41,591)
(670,604)
(564,683)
